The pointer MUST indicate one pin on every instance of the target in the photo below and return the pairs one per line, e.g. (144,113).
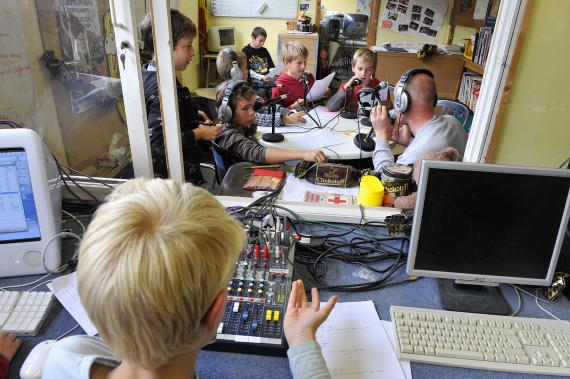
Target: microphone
(266,85)
(364,141)
(355,82)
(261,104)
(382,85)
(305,78)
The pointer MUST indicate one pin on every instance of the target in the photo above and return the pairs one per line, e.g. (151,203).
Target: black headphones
(402,99)
(225,111)
(235,72)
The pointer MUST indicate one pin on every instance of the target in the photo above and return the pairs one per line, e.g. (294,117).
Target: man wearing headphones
(415,97)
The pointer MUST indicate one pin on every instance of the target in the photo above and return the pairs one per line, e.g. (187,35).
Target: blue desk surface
(422,293)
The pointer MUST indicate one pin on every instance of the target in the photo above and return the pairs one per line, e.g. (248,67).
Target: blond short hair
(292,50)
(366,55)
(152,262)
(224,63)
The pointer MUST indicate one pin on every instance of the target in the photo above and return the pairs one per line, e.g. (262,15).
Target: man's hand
(297,103)
(315,156)
(207,133)
(303,319)
(295,118)
(204,117)
(381,122)
(266,79)
(402,136)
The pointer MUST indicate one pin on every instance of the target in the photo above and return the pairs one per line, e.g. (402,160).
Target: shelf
(473,66)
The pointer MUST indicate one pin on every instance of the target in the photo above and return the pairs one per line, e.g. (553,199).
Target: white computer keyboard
(486,342)
(23,313)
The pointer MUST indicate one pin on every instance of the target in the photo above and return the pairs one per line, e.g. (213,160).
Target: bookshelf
(474,68)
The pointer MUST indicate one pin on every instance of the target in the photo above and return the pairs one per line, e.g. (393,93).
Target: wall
(535,129)
(191,76)
(384,35)
(244,26)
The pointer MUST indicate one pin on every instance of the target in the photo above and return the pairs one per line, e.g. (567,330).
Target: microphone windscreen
(382,85)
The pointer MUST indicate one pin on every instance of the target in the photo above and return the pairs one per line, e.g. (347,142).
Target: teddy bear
(446,154)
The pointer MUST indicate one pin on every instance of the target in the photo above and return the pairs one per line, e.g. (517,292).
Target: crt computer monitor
(30,204)
(480,225)
(221,37)
(354,24)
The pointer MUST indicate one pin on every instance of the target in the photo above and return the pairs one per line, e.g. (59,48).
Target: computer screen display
(227,37)
(18,215)
(491,223)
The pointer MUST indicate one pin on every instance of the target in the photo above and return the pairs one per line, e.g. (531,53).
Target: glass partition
(59,72)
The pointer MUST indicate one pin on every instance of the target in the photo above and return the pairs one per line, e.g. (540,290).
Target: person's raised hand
(302,319)
(381,122)
(402,135)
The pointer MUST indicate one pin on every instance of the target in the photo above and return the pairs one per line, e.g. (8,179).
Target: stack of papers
(355,344)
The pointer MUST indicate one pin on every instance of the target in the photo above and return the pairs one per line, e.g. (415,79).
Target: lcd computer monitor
(354,24)
(221,37)
(30,204)
(481,225)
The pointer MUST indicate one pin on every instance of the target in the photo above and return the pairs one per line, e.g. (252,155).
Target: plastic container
(397,180)
(371,191)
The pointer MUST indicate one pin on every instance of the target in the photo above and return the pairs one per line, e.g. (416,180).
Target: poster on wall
(18,100)
(422,18)
(364,6)
(83,48)
(80,35)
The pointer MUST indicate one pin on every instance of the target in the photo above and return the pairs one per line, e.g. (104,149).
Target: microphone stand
(349,114)
(273,137)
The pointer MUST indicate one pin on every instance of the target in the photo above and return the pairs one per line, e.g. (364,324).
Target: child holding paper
(259,60)
(294,56)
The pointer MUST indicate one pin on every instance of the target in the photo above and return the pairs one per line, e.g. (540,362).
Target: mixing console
(257,295)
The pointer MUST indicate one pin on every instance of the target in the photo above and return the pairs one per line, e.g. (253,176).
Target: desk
(210,364)
(335,139)
(208,82)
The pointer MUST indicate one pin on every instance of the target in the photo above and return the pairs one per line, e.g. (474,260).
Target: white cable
(26,284)
(516,311)
(39,284)
(544,309)
(66,333)
(58,235)
(74,218)
(537,298)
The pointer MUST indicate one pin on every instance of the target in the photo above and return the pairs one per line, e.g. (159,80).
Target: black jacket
(188,112)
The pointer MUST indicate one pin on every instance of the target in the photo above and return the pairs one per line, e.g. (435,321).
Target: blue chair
(219,161)
(458,110)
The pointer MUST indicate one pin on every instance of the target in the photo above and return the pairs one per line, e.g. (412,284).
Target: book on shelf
(469,89)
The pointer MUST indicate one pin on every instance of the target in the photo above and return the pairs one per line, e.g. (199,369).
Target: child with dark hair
(183,33)
(259,60)
(236,139)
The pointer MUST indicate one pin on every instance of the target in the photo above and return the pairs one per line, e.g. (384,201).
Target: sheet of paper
(65,289)
(406,367)
(322,114)
(319,88)
(275,70)
(355,345)
(326,137)
(295,188)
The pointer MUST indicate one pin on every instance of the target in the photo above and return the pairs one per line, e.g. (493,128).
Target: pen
(265,166)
